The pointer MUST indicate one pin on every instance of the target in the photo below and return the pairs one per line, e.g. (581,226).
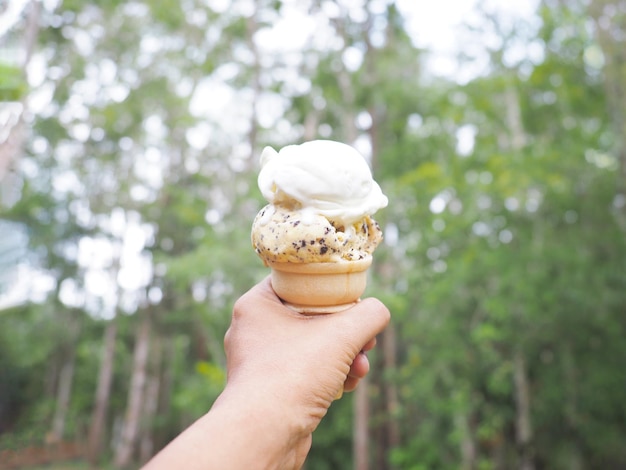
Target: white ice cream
(329,178)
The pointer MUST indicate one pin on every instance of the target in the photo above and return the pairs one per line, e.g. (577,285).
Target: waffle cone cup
(319,288)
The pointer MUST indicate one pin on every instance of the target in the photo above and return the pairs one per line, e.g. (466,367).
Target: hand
(304,359)
(284,371)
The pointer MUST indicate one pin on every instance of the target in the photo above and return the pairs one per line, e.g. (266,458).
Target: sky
(437,27)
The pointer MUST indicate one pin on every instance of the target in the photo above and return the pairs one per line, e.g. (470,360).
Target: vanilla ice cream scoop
(329,178)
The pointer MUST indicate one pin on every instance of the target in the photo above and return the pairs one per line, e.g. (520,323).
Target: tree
(503,260)
(102,396)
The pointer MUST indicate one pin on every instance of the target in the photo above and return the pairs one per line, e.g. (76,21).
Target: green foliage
(512,250)
(200,389)
(24,354)
(13,87)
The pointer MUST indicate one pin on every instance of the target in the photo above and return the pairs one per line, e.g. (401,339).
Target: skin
(284,371)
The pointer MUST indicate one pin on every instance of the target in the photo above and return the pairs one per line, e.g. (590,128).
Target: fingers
(373,317)
(350,384)
(358,370)
(369,345)
(360,366)
(360,324)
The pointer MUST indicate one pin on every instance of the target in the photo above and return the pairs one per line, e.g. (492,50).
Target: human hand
(303,361)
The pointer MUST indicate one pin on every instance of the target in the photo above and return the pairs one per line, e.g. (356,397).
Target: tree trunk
(610,29)
(392,403)
(514,118)
(103,393)
(51,378)
(130,426)
(360,426)
(146,447)
(251,29)
(65,378)
(386,274)
(64,392)
(523,428)
(11,143)
(610,32)
(165,387)
(151,402)
(572,418)
(467,444)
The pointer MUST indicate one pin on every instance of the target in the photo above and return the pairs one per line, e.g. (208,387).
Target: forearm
(240,432)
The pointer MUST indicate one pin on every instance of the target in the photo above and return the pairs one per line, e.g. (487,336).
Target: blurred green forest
(129,143)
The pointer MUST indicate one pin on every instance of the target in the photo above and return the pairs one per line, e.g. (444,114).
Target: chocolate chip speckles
(290,235)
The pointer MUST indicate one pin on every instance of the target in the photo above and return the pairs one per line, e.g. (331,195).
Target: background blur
(129,140)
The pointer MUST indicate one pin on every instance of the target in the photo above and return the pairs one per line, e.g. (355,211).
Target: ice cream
(317,232)
(283,235)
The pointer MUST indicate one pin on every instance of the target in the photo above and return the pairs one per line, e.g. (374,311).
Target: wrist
(277,436)
(246,428)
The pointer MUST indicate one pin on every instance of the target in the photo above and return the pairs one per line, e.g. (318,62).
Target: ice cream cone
(320,288)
